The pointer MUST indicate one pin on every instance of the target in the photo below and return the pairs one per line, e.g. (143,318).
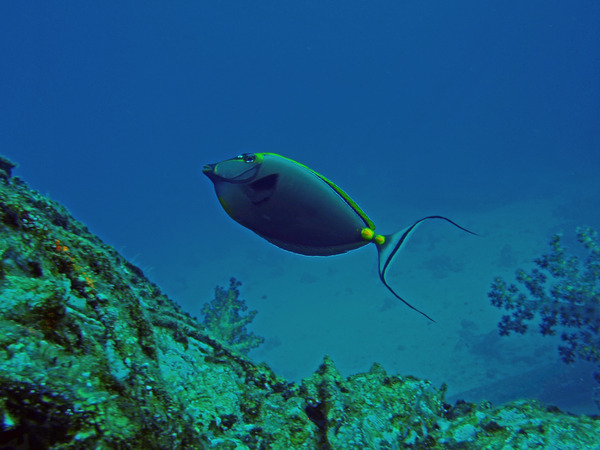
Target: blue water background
(487,112)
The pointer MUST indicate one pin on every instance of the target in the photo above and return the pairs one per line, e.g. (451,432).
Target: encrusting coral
(563,291)
(223,318)
(93,355)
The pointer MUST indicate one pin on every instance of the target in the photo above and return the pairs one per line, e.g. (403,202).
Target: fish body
(300,210)
(288,204)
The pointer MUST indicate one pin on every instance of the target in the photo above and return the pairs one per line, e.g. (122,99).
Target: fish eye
(248,157)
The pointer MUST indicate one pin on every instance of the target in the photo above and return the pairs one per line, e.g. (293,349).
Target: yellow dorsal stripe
(368,222)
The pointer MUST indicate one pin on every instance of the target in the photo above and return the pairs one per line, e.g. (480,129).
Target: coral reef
(563,292)
(6,167)
(224,320)
(93,355)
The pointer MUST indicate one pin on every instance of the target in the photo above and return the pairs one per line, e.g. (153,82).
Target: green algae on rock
(93,355)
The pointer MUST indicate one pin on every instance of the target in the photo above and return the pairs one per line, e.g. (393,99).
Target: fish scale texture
(93,355)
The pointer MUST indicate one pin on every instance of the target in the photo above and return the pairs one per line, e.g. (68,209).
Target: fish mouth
(209,171)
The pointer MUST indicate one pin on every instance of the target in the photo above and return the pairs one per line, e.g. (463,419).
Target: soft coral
(564,291)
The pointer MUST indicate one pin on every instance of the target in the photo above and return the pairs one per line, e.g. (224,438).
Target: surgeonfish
(300,210)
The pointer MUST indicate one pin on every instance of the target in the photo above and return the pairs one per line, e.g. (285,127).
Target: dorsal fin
(368,222)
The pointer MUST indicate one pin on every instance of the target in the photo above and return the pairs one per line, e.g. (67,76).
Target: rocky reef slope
(93,355)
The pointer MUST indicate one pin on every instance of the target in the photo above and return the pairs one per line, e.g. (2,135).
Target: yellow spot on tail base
(369,235)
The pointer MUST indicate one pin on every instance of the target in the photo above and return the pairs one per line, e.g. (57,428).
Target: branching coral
(223,319)
(564,292)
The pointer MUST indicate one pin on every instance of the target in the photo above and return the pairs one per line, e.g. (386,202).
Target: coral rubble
(93,355)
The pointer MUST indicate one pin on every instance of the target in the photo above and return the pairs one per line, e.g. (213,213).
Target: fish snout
(209,170)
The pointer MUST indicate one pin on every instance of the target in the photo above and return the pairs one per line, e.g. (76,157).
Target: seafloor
(93,355)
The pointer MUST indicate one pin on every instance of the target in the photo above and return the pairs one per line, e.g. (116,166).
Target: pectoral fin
(262,189)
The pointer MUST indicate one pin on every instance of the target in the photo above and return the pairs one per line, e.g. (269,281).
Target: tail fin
(392,244)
